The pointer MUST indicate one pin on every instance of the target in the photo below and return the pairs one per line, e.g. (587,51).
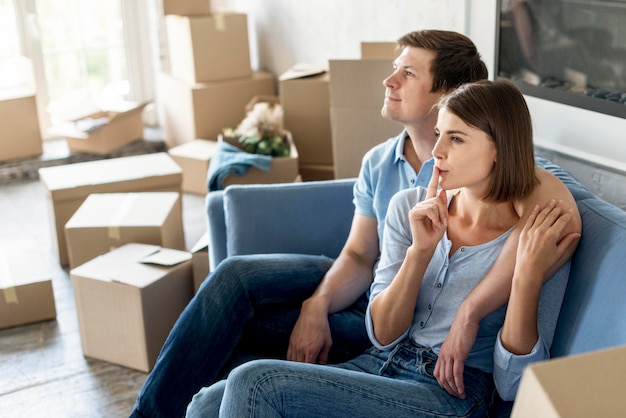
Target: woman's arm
(392,309)
(536,297)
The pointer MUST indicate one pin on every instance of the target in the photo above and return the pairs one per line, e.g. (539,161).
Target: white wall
(285,32)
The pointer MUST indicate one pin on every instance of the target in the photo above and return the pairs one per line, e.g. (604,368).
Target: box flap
(116,210)
(303,70)
(202,244)
(196,149)
(132,264)
(74,180)
(22,262)
(166,257)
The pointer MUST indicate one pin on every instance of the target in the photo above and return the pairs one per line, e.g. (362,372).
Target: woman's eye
(456,139)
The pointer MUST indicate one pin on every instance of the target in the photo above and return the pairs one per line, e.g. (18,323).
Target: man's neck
(419,146)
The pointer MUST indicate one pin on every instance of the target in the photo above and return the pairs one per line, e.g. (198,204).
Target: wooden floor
(42,369)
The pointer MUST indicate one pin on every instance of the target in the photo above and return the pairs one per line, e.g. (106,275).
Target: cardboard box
(316,172)
(103,131)
(282,169)
(20,135)
(109,220)
(127,301)
(186,7)
(200,260)
(194,111)
(305,97)
(26,294)
(194,158)
(208,48)
(356,99)
(582,385)
(379,50)
(67,186)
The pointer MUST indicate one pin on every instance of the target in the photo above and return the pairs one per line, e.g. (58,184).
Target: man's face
(408,98)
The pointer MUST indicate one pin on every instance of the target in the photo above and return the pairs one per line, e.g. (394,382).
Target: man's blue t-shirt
(384,172)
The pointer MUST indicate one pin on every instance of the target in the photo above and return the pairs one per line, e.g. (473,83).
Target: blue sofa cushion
(594,308)
(262,219)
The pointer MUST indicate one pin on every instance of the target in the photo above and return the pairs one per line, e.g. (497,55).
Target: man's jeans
(394,383)
(248,304)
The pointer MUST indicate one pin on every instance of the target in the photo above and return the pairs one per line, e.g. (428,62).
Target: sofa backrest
(289,218)
(594,307)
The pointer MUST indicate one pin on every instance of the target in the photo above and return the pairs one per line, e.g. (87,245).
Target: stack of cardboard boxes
(356,99)
(118,224)
(334,113)
(210,78)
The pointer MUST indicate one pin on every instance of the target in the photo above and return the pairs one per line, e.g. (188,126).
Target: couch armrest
(216,225)
(307,218)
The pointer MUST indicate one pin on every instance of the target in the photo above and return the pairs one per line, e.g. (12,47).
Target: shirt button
(430,306)
(439,285)
(412,181)
(422,324)
(462,249)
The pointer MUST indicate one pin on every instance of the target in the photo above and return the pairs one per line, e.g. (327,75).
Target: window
(83,53)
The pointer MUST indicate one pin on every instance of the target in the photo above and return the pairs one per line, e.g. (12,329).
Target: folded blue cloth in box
(231,160)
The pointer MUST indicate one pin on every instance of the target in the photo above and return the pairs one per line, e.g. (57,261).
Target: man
(311,308)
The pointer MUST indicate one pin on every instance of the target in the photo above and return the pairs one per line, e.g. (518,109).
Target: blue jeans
(245,309)
(394,383)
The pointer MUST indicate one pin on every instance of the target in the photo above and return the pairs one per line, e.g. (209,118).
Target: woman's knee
(206,403)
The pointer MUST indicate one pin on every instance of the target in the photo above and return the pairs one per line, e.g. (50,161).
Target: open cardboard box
(105,130)
(127,301)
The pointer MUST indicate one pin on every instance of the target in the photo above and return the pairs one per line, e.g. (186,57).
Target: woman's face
(465,155)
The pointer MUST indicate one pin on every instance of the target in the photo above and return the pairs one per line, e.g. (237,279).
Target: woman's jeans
(395,383)
(248,304)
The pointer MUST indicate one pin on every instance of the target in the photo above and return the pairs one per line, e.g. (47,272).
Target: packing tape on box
(220,22)
(120,214)
(6,280)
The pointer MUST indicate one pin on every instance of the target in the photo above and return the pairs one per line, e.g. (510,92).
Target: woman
(437,246)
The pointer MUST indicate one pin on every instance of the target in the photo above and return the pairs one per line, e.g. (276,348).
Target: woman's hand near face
(429,218)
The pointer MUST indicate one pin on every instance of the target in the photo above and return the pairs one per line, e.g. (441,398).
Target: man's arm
(494,290)
(349,277)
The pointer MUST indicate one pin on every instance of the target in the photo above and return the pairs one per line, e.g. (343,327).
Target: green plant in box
(261,132)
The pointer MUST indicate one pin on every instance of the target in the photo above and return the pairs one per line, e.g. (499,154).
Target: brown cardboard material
(26,294)
(200,260)
(194,158)
(208,48)
(109,220)
(282,169)
(356,98)
(125,125)
(20,135)
(193,111)
(305,97)
(379,50)
(582,385)
(315,172)
(186,7)
(67,186)
(127,301)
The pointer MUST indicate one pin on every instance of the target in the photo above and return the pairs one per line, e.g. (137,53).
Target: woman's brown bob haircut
(499,109)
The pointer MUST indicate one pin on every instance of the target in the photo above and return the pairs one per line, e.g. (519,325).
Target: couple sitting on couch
(444,340)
